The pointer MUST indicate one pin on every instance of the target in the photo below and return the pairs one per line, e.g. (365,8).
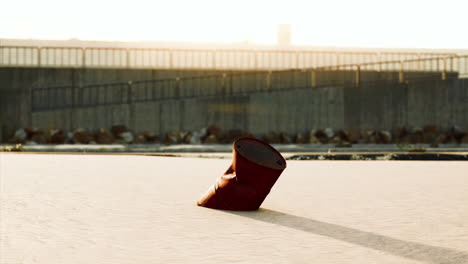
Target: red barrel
(256,166)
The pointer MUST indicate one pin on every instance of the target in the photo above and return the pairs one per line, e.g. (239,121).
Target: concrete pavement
(141,209)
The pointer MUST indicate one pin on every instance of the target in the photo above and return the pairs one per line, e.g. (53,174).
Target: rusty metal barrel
(255,168)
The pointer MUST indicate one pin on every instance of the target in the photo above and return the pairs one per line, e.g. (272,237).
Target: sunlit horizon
(362,23)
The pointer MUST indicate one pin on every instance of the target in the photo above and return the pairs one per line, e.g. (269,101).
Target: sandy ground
(141,209)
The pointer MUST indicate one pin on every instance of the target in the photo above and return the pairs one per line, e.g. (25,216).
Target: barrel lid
(260,153)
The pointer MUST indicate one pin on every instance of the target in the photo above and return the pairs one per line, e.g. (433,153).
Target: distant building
(284,34)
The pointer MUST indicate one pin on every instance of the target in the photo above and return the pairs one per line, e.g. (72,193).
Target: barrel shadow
(407,249)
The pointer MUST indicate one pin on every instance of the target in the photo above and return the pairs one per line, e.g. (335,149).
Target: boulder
(31,131)
(55,136)
(285,138)
(210,139)
(329,132)
(140,139)
(20,136)
(383,137)
(430,133)
(172,137)
(194,137)
(458,134)
(401,135)
(272,138)
(464,139)
(127,137)
(417,136)
(117,130)
(233,135)
(81,136)
(103,136)
(214,130)
(299,139)
(321,136)
(151,137)
(343,135)
(354,135)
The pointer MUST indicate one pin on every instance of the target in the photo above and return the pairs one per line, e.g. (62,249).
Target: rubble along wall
(384,106)
(16,85)
(378,105)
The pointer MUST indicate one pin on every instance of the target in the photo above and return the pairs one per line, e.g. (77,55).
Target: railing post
(39,51)
(358,75)
(268,80)
(313,78)
(177,88)
(171,59)
(131,106)
(83,57)
(255,60)
(444,69)
(401,74)
(223,83)
(129,92)
(297,59)
(213,54)
(127,52)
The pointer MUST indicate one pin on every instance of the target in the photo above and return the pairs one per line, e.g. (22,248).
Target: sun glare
(333,23)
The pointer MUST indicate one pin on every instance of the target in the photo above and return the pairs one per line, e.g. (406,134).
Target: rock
(187,138)
(31,131)
(335,140)
(117,130)
(103,136)
(343,135)
(443,138)
(430,133)
(69,138)
(458,133)
(321,136)
(431,129)
(285,138)
(401,135)
(210,139)
(354,136)
(127,137)
(55,136)
(194,137)
(272,138)
(314,140)
(299,139)
(81,136)
(202,133)
(367,136)
(140,139)
(464,139)
(172,137)
(232,135)
(417,136)
(329,132)
(151,137)
(214,130)
(38,138)
(20,136)
(383,137)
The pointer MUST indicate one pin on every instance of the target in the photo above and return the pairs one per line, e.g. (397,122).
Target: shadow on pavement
(407,249)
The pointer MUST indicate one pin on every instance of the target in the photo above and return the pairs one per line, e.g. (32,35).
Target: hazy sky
(395,23)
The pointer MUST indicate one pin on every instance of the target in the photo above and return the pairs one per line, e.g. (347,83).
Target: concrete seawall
(259,109)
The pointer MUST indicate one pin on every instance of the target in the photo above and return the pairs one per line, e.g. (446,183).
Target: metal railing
(214,59)
(237,83)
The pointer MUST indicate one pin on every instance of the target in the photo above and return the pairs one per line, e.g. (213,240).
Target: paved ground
(141,209)
(227,148)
